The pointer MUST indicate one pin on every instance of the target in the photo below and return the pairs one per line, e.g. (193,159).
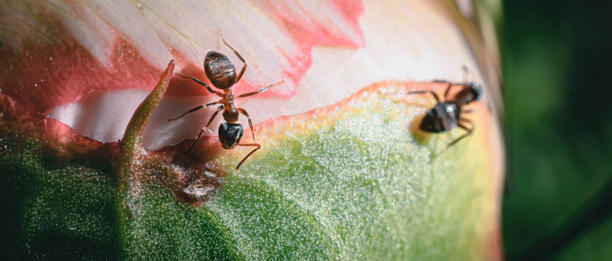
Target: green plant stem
(131,144)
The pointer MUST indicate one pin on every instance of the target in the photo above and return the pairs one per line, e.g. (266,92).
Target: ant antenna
(466,73)
(219,39)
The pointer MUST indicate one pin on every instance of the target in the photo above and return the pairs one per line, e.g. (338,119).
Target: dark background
(557,68)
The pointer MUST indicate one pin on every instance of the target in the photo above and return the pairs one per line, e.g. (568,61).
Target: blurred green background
(557,68)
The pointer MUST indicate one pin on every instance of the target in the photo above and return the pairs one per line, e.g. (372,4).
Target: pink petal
(64,50)
(95,86)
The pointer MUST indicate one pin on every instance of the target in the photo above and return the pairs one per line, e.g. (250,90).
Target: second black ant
(222,74)
(447,114)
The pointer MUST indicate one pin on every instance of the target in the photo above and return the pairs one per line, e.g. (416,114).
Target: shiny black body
(447,114)
(230,134)
(441,117)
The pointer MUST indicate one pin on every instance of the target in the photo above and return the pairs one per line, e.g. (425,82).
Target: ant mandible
(222,74)
(446,115)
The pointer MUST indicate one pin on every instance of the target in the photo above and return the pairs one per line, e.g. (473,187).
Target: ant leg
(449,87)
(243,111)
(195,141)
(250,153)
(421,92)
(202,130)
(467,121)
(447,90)
(214,115)
(237,54)
(440,81)
(187,112)
(201,83)
(260,90)
(469,132)
(194,110)
(213,103)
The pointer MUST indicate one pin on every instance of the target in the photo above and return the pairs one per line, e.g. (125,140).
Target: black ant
(222,74)
(446,115)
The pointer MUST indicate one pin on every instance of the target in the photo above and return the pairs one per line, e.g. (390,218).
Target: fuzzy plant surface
(94,170)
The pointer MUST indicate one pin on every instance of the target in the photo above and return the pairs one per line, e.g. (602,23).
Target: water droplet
(50,58)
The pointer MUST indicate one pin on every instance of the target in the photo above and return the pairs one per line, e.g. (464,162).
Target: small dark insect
(447,114)
(222,74)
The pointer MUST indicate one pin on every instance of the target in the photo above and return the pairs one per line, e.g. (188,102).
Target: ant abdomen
(219,70)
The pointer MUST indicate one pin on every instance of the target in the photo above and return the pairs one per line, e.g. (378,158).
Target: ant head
(229,134)
(219,70)
(470,93)
(476,90)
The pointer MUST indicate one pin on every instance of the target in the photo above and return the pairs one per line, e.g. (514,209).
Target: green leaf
(344,182)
